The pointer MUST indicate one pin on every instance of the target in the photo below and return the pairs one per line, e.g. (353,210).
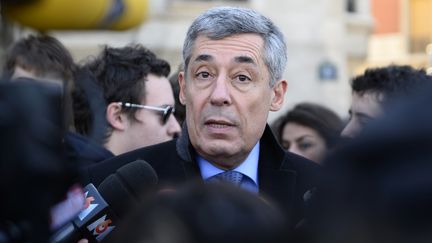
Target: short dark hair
(392,81)
(321,119)
(204,213)
(47,58)
(120,73)
(42,54)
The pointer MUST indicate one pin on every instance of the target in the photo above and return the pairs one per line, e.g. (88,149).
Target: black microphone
(118,193)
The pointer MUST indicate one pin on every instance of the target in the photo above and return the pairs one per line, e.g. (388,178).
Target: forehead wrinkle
(238,59)
(248,46)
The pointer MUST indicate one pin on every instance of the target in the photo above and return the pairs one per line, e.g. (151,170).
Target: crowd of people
(223,173)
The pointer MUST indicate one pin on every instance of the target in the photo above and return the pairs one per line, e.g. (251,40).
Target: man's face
(148,128)
(228,96)
(364,108)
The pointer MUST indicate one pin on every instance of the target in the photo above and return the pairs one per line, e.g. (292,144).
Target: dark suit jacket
(283,177)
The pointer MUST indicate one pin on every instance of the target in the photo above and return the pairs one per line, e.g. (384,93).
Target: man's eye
(243,78)
(203,75)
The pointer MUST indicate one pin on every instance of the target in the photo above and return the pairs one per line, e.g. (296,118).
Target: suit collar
(277,180)
(270,148)
(184,147)
(270,166)
(188,155)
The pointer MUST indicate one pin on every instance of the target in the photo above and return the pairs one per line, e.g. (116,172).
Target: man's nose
(221,94)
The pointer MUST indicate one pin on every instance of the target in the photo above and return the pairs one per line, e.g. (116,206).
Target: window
(420,28)
(351,6)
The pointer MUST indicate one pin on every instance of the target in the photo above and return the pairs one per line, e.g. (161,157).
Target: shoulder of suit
(299,163)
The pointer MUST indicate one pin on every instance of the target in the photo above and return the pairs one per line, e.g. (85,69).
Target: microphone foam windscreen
(138,176)
(124,188)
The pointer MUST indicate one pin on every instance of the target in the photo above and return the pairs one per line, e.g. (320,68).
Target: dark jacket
(283,176)
(82,149)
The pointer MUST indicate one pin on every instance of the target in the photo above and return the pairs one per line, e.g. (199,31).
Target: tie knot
(231,176)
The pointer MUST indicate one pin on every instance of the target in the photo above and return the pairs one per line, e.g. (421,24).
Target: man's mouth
(219,124)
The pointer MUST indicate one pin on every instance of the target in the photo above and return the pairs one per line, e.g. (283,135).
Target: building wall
(387,16)
(314,34)
(402,33)
(420,28)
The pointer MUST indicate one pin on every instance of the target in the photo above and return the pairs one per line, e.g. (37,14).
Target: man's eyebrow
(244,59)
(203,58)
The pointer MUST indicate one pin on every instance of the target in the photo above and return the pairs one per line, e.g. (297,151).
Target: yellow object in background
(79,14)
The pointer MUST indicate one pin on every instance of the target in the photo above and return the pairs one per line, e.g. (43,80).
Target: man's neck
(248,167)
(224,162)
(113,146)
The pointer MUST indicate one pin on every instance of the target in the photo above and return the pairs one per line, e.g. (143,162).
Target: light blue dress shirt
(249,169)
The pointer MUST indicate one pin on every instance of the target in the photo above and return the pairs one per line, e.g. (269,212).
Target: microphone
(110,202)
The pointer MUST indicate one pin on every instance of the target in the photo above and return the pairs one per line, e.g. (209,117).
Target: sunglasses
(164,111)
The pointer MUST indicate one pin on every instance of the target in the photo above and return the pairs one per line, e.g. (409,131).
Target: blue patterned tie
(231,176)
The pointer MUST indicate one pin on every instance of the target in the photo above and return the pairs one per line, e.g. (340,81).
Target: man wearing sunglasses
(138,96)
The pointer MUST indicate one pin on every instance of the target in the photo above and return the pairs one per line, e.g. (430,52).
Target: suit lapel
(187,156)
(275,182)
(278,186)
(191,170)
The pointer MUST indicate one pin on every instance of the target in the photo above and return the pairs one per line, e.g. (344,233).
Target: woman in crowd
(309,130)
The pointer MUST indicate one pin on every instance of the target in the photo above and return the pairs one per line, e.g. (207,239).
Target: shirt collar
(249,167)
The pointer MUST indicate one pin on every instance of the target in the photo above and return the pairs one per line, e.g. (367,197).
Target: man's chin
(220,154)
(219,147)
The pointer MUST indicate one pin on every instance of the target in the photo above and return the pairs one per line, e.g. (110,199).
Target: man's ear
(115,117)
(279,90)
(182,85)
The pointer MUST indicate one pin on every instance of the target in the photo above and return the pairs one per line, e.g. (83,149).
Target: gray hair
(220,22)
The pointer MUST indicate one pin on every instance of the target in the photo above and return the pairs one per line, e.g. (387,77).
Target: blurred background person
(374,90)
(309,130)
(138,96)
(35,173)
(35,109)
(377,188)
(202,213)
(40,57)
(43,58)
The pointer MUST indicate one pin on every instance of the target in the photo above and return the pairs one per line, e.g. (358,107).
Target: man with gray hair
(234,60)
